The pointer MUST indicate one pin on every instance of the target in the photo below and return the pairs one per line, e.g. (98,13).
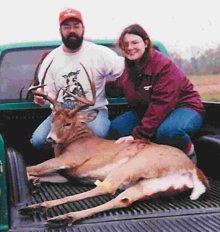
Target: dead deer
(142,169)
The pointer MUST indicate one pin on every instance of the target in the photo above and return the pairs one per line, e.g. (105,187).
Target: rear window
(17,68)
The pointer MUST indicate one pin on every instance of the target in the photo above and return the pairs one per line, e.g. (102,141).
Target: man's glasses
(68,27)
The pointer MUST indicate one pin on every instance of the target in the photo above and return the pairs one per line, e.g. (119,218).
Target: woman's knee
(177,138)
(123,125)
(165,133)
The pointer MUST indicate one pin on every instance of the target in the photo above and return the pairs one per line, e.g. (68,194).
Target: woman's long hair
(135,29)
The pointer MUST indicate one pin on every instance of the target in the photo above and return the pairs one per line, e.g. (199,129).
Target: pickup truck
(19,116)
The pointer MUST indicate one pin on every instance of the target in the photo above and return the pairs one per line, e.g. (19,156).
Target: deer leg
(40,207)
(144,189)
(109,185)
(124,199)
(48,167)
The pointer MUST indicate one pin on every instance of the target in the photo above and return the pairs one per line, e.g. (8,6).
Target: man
(63,69)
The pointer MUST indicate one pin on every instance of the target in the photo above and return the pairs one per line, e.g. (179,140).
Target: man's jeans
(100,127)
(175,130)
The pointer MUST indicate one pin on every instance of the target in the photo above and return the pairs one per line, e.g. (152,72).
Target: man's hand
(126,139)
(38,99)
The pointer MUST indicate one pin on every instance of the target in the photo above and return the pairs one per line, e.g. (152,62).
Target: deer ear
(91,115)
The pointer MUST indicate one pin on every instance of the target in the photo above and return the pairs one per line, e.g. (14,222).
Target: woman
(165,107)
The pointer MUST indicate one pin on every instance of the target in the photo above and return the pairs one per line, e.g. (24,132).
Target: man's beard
(72,43)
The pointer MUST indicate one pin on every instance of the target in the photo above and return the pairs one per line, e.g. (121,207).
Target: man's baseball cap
(70,13)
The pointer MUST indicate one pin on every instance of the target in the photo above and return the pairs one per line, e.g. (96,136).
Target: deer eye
(67,124)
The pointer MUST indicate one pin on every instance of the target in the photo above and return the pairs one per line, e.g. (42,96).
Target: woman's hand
(126,139)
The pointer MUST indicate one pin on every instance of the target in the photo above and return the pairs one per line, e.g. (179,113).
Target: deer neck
(81,137)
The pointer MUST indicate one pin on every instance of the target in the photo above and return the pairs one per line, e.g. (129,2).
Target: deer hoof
(59,221)
(29,210)
(35,185)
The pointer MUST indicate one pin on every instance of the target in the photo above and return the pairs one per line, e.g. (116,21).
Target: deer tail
(200,184)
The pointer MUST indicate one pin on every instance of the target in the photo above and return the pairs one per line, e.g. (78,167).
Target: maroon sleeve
(165,94)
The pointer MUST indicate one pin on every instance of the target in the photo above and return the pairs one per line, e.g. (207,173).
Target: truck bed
(166,213)
(176,213)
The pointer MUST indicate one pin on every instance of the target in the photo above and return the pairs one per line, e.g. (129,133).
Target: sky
(186,26)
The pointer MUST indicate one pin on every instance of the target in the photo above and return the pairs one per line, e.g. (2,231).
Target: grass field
(208,86)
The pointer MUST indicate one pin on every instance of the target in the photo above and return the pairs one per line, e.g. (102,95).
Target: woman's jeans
(175,130)
(100,127)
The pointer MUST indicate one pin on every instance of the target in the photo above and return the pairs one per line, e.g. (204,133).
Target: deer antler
(40,93)
(83,101)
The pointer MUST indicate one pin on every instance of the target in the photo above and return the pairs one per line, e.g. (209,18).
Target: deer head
(67,127)
(69,124)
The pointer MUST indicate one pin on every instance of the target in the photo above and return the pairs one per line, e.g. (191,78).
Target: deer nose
(50,141)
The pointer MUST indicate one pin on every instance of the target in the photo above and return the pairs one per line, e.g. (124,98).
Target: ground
(208,86)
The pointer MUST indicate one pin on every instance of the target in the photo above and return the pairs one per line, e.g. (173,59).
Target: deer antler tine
(81,99)
(91,82)
(34,87)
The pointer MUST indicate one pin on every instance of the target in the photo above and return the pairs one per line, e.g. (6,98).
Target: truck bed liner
(175,213)
(167,213)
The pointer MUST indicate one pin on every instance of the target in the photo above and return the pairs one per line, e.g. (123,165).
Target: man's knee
(101,131)
(100,126)
(37,141)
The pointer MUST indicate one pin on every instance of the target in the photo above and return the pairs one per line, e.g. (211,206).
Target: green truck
(19,116)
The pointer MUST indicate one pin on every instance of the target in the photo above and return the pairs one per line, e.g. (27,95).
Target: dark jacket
(161,89)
